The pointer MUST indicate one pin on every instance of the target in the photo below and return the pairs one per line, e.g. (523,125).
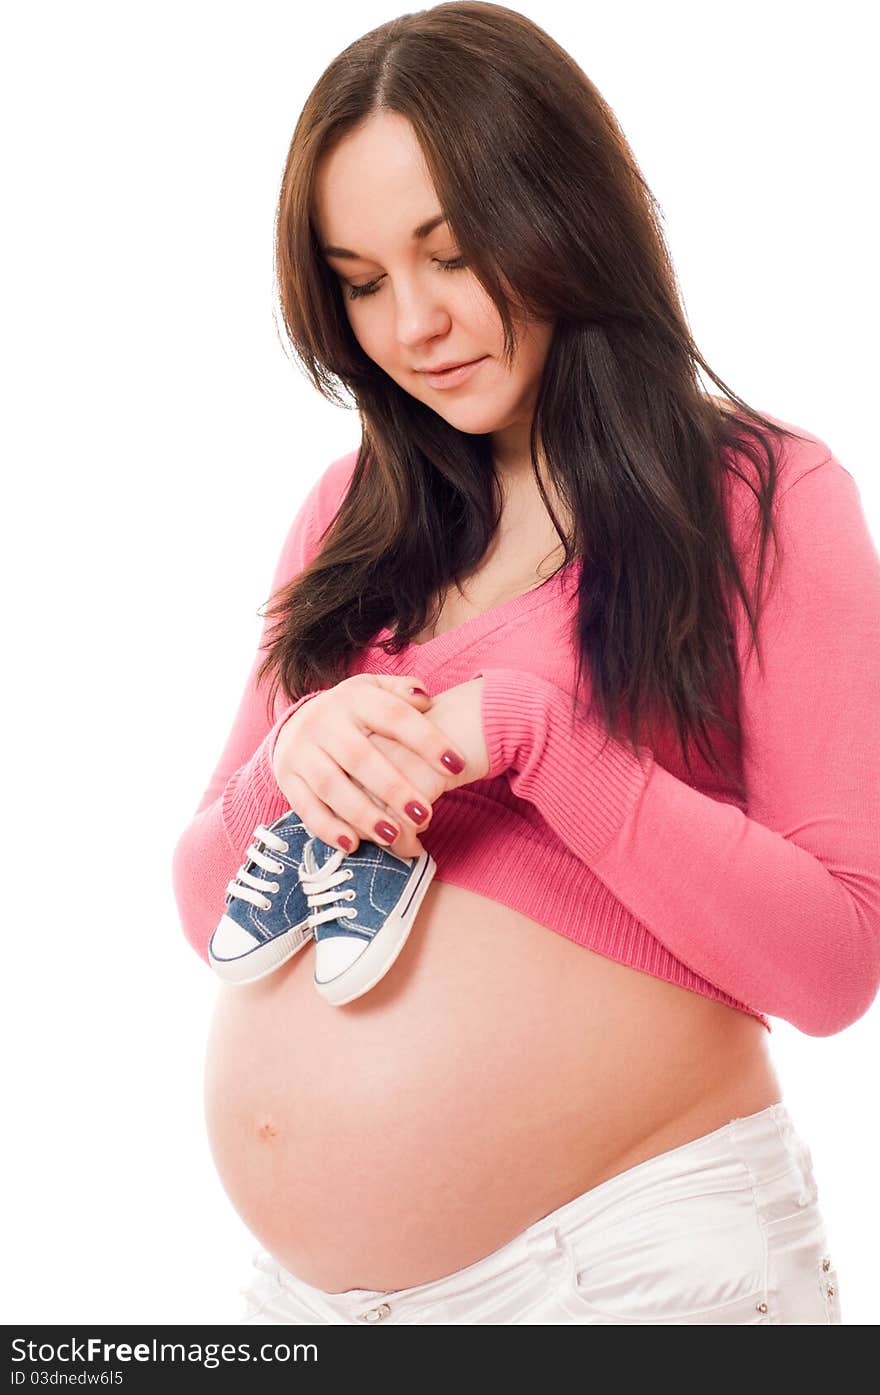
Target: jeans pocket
(744,1310)
(700,1259)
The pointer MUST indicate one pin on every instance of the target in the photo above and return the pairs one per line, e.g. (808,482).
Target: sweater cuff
(252,795)
(580,779)
(506,710)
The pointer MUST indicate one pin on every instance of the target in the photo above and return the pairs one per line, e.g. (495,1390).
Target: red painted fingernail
(346,843)
(421,691)
(386,831)
(452,762)
(416,812)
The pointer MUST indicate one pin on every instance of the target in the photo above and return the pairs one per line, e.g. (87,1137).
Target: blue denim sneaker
(356,944)
(266,921)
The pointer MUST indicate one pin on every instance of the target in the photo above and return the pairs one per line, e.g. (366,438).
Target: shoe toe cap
(230,940)
(336,954)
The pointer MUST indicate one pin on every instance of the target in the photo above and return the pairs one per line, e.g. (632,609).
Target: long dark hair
(554,218)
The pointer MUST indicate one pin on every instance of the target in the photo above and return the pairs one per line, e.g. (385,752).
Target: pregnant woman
(646,618)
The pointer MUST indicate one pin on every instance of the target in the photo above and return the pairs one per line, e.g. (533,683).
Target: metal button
(761,1307)
(375,1314)
(826,1265)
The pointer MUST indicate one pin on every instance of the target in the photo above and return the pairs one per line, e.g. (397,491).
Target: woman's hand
(457,715)
(339,781)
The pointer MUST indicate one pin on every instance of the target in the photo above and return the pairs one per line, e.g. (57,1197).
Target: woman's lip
(447,368)
(450,377)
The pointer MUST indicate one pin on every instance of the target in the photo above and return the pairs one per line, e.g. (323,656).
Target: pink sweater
(772,907)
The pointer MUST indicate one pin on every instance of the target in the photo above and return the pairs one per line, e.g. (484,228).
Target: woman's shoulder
(796,454)
(332,485)
(802,451)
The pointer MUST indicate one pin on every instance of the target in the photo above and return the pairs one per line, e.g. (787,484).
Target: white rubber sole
(264,959)
(386,944)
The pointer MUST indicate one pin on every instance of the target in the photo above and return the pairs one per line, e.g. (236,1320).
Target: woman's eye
(371,287)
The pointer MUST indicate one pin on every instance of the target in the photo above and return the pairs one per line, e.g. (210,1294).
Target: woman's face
(371,192)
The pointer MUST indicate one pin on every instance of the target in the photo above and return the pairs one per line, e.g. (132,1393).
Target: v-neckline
(439,647)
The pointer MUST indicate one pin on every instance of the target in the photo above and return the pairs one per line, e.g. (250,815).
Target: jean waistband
(767,1143)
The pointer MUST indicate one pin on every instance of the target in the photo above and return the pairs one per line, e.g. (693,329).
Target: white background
(158,442)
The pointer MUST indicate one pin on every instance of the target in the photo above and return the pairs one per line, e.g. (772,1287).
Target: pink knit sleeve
(779,906)
(242,791)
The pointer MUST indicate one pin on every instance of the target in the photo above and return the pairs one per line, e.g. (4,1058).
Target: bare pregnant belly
(497,1071)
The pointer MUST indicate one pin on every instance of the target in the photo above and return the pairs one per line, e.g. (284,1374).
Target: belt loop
(546,1249)
(808,1190)
(800,1155)
(803,1161)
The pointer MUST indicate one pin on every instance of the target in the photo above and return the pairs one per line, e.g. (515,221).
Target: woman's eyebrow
(422,231)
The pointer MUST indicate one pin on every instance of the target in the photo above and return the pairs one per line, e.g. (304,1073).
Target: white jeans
(724,1229)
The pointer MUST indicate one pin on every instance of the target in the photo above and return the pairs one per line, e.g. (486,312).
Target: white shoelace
(319,885)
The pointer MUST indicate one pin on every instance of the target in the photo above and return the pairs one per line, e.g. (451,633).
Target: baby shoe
(356,944)
(265,921)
